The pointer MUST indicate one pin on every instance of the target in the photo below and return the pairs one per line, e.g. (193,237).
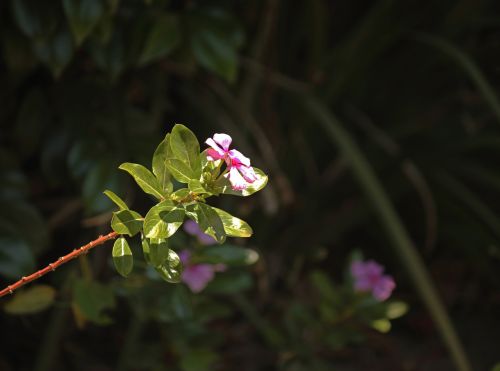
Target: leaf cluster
(180,181)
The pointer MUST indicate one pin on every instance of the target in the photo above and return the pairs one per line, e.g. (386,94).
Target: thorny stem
(63,259)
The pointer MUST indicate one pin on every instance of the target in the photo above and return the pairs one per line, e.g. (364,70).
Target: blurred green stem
(269,334)
(411,260)
(50,344)
(129,345)
(468,65)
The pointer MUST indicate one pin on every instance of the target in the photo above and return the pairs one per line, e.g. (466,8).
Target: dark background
(86,85)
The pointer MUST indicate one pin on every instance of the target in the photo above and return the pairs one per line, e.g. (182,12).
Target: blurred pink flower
(240,172)
(368,276)
(197,276)
(193,229)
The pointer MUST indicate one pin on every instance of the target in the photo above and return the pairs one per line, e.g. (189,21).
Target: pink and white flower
(240,172)
(197,276)
(368,277)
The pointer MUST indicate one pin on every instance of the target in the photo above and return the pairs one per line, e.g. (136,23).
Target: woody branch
(53,266)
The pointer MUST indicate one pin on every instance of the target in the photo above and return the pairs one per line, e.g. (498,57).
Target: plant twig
(63,259)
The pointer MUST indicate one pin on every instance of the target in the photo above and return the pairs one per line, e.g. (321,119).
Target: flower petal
(384,287)
(206,239)
(248,173)
(363,284)
(237,158)
(191,227)
(184,256)
(373,269)
(216,148)
(223,140)
(236,180)
(213,155)
(198,276)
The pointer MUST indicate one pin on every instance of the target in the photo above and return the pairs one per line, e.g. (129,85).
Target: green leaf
(214,40)
(92,299)
(163,220)
(198,360)
(20,219)
(146,248)
(208,220)
(34,18)
(55,52)
(196,186)
(159,166)
(163,37)
(381,325)
(127,222)
(171,270)
(224,186)
(233,226)
(33,117)
(117,200)
(230,283)
(122,257)
(396,309)
(185,147)
(100,176)
(83,16)
(179,169)
(227,254)
(31,300)
(16,257)
(180,194)
(213,53)
(158,251)
(144,178)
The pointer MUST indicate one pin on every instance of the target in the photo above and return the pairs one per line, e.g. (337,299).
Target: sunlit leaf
(171,269)
(127,222)
(146,249)
(158,251)
(233,226)
(208,220)
(159,166)
(122,257)
(179,169)
(163,220)
(144,178)
(185,147)
(180,194)
(116,199)
(196,186)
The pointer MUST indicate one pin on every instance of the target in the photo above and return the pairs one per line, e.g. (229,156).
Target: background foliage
(87,85)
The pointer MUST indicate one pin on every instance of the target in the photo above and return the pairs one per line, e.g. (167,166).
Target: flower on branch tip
(197,276)
(368,277)
(240,172)
(192,228)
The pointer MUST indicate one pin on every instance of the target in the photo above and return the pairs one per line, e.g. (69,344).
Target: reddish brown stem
(63,259)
